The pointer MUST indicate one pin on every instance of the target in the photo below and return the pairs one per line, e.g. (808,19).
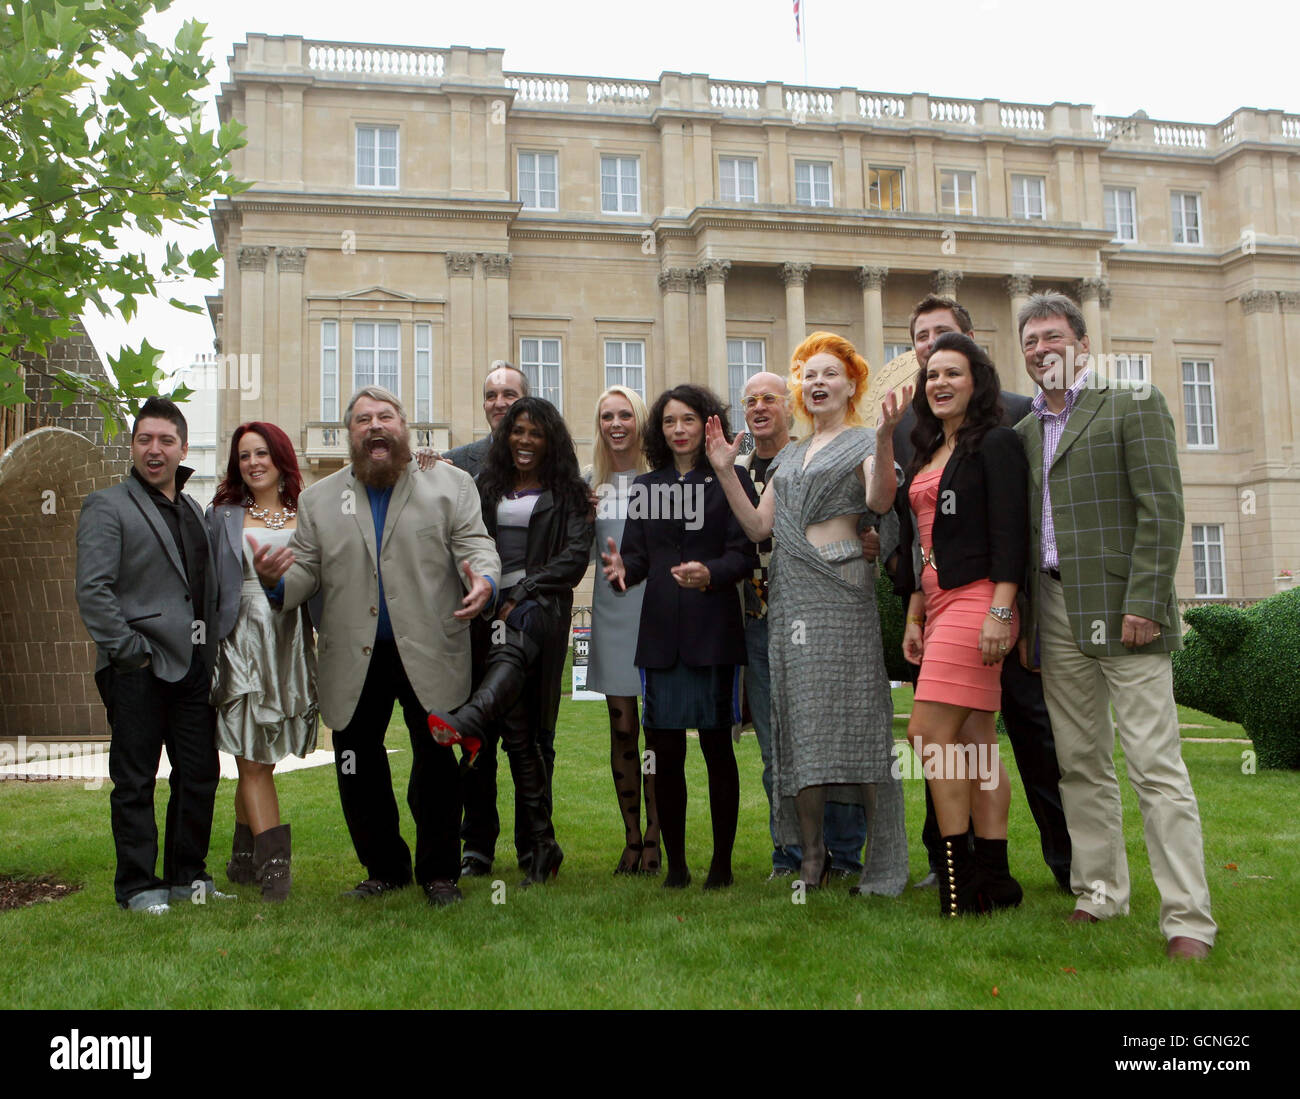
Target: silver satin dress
(264,682)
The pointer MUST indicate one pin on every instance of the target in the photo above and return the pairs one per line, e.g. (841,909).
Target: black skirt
(682,697)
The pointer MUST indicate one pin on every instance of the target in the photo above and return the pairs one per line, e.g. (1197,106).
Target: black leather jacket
(558,554)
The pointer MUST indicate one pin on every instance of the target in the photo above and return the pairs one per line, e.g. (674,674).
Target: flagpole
(803,9)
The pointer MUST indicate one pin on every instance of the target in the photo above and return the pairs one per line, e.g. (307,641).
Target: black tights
(625,763)
(669,747)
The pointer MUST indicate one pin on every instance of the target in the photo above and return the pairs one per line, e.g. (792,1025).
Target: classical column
(715,273)
(462,396)
(1289,303)
(1019,287)
(794,275)
(944,283)
(1267,393)
(293,397)
(1090,301)
(252,323)
(872,282)
(675,286)
(1104,300)
(496,270)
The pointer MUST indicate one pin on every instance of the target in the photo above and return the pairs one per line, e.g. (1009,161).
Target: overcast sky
(1192,61)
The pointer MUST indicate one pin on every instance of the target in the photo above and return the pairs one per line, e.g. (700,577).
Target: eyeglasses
(769,399)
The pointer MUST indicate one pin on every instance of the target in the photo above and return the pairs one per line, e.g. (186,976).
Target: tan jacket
(434,523)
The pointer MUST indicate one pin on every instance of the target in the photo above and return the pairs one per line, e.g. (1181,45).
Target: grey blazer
(132,590)
(226,536)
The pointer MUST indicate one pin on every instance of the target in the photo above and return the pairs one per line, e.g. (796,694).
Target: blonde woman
(615,618)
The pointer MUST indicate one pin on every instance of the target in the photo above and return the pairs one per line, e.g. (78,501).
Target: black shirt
(188,533)
(756,588)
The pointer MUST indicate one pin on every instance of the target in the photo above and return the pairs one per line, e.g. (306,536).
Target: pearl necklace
(275,520)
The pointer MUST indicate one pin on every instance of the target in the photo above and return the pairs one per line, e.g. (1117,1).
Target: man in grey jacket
(147,591)
(504,385)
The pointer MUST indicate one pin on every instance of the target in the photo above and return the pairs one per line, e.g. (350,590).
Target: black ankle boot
(545,864)
(957,892)
(993,877)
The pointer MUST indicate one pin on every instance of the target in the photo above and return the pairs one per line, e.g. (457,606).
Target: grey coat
(132,590)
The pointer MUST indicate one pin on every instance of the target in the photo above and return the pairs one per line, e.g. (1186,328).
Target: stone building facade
(420,212)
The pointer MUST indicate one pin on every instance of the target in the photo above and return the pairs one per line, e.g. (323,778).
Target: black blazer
(702,628)
(1014,409)
(558,553)
(981,526)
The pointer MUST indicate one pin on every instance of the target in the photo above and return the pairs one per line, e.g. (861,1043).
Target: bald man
(504,385)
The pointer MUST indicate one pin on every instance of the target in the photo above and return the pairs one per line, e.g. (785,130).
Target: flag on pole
(797,36)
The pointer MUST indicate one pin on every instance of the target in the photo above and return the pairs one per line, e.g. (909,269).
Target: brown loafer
(442,892)
(1181,946)
(1080,916)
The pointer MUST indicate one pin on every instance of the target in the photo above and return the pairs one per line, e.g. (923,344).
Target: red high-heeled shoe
(471,744)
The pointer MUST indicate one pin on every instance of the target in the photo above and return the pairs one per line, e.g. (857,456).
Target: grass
(595,941)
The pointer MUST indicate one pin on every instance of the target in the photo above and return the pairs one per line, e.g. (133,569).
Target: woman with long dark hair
(264,679)
(966,488)
(831,711)
(683,541)
(617,459)
(535,505)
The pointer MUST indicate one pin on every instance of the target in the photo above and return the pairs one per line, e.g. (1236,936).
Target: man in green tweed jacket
(1106,525)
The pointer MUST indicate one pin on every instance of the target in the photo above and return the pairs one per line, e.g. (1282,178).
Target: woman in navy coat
(683,541)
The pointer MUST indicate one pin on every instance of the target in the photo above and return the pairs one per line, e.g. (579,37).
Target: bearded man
(403,562)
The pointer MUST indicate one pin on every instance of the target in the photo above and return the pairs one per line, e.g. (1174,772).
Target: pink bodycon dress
(952,668)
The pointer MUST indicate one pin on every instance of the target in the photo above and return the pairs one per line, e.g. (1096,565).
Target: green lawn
(592,940)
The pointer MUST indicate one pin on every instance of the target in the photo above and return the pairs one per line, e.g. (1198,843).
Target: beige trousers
(1080,691)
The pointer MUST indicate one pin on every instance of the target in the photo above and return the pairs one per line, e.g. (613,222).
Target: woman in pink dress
(966,488)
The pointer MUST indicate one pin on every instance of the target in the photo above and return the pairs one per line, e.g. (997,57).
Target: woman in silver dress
(615,618)
(264,680)
(832,713)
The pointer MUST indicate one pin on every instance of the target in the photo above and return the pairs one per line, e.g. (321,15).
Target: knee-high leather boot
(503,680)
(528,769)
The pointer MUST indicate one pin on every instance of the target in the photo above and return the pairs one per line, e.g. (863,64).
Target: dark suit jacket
(702,628)
(132,590)
(558,553)
(471,456)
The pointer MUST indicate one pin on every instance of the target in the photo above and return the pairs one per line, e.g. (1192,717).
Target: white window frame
(1023,188)
(533,200)
(1133,367)
(422,353)
(875,188)
(899,348)
(329,371)
(1111,212)
(376,167)
(375,345)
(738,192)
(616,372)
(1179,226)
(811,182)
(956,176)
(1200,435)
(545,374)
(620,176)
(741,366)
(1207,543)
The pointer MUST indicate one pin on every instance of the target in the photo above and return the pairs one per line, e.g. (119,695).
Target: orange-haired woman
(832,713)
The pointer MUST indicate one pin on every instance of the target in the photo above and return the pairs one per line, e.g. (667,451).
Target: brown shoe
(1180,946)
(1080,916)
(271,853)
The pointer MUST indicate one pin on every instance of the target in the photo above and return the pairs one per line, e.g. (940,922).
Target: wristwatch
(1002,614)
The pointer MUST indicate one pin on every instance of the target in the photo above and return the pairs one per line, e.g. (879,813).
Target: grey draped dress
(832,712)
(264,681)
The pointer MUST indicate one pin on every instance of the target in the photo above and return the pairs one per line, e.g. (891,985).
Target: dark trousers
(482,823)
(147,714)
(1029,728)
(366,783)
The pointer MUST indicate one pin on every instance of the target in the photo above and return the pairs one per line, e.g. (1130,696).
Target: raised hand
(270,563)
(613,562)
(480,591)
(892,410)
(721,454)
